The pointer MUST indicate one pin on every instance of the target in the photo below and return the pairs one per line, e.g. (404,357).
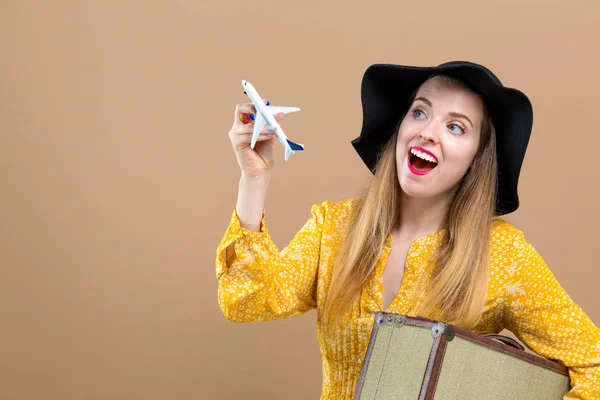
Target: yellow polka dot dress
(257,282)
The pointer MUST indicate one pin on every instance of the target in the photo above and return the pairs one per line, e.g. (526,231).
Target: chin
(417,194)
(416,190)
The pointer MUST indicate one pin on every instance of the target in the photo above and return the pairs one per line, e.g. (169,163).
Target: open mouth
(421,162)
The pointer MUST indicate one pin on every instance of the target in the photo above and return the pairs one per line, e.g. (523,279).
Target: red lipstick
(413,169)
(422,150)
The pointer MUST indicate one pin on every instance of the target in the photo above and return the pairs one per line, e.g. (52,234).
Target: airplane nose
(243,82)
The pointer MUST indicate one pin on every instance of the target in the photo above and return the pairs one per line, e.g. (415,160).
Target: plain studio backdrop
(118,178)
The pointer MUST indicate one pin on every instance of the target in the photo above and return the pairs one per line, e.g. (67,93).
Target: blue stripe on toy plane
(295,146)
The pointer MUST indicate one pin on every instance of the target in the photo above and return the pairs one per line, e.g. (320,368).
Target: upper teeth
(422,155)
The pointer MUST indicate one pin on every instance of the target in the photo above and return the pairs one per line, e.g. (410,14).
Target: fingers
(260,138)
(247,108)
(243,111)
(278,117)
(238,139)
(249,129)
(246,114)
(242,134)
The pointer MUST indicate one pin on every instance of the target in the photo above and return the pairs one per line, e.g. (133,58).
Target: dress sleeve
(543,316)
(257,282)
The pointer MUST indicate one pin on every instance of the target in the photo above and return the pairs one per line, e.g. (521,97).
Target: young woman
(445,145)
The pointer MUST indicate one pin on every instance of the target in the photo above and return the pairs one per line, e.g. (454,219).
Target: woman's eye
(418,113)
(456,129)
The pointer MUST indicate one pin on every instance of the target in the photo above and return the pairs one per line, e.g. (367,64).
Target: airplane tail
(295,146)
(291,146)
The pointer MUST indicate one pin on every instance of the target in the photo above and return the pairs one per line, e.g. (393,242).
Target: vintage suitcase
(412,358)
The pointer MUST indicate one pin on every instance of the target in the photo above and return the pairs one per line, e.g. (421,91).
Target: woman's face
(442,125)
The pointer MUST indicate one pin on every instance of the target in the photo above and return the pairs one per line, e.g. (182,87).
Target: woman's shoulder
(505,236)
(501,226)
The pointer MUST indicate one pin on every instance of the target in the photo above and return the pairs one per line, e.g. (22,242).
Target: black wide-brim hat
(385,93)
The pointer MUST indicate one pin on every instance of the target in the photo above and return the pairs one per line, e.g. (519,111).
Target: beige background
(118,178)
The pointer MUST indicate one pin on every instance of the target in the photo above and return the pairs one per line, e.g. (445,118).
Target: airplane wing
(286,110)
(259,124)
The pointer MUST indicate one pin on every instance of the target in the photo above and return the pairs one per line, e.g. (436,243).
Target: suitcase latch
(440,328)
(437,329)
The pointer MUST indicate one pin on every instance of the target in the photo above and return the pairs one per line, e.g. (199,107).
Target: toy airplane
(265,114)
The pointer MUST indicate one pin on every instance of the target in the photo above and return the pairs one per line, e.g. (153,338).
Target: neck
(422,216)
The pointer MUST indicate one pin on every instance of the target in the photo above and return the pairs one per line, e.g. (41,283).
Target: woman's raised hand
(255,162)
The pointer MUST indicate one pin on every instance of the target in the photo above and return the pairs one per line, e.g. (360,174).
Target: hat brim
(386,90)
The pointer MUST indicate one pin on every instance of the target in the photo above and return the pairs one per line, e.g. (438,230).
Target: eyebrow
(452,114)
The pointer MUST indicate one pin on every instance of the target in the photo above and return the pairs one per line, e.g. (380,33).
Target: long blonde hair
(458,285)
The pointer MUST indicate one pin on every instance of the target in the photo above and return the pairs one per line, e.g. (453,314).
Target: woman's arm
(251,201)
(257,282)
(543,316)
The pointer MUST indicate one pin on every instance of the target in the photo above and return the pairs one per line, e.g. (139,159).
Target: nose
(429,134)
